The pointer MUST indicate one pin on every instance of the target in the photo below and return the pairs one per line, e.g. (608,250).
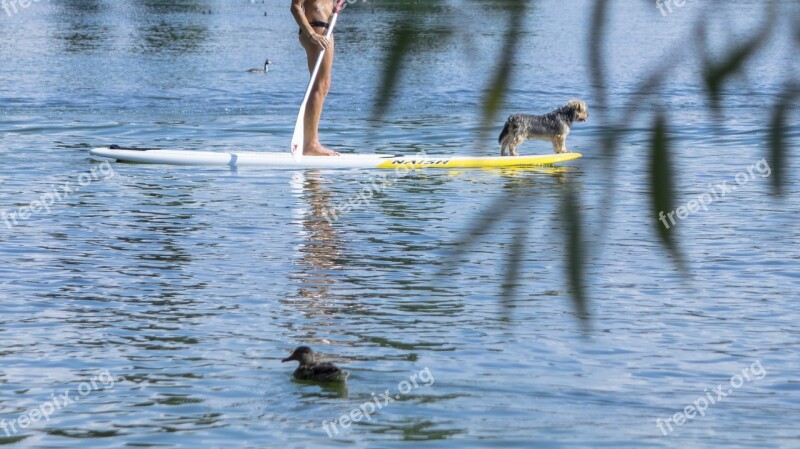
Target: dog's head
(578,109)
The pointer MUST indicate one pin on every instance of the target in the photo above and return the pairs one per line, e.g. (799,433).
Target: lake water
(162,299)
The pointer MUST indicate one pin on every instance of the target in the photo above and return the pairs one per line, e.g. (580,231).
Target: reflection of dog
(553,127)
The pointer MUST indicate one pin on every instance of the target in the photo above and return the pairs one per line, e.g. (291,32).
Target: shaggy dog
(553,127)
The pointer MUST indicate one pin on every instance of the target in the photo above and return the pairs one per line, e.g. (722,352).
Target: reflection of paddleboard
(285,160)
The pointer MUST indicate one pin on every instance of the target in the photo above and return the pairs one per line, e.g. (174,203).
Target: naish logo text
(420,162)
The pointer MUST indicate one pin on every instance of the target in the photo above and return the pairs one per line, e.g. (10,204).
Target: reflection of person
(321,248)
(312,16)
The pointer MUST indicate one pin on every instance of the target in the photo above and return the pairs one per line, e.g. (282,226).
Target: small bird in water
(264,70)
(309,369)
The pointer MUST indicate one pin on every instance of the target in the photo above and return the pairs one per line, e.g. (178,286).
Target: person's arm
(305,27)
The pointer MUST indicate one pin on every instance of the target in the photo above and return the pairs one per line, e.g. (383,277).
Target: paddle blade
(299,134)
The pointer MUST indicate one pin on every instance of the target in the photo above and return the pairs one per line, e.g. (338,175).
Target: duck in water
(309,369)
(264,70)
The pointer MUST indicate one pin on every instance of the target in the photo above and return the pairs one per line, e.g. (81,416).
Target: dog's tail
(503,133)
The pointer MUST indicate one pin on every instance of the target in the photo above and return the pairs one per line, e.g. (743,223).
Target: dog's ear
(573,105)
(574,108)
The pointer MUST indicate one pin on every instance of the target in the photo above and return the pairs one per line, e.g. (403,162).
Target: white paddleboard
(285,160)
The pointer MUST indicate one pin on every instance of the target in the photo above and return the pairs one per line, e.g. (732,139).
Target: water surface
(188,285)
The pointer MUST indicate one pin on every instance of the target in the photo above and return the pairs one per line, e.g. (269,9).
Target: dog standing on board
(554,127)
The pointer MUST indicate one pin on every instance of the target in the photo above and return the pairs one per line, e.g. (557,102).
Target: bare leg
(311,145)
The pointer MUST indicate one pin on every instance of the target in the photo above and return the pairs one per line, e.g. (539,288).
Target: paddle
(299,127)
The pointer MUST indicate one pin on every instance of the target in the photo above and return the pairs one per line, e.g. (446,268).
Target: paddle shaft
(299,128)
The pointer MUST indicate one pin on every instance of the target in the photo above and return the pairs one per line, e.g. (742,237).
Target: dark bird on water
(264,70)
(310,369)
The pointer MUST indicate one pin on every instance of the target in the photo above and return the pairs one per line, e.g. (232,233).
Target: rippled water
(164,298)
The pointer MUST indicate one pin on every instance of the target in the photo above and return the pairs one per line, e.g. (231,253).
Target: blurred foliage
(717,73)
(662,193)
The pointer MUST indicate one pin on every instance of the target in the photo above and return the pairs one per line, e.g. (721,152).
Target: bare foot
(318,150)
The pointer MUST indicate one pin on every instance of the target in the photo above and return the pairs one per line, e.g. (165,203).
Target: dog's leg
(556,145)
(560,144)
(503,139)
(513,147)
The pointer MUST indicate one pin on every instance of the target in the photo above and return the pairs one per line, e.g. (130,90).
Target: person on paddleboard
(312,17)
